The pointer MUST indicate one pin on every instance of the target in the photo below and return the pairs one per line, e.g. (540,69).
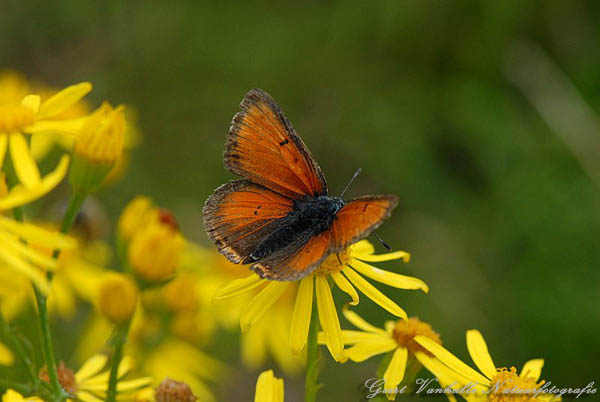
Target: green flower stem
(311,382)
(17,347)
(47,348)
(70,215)
(118,342)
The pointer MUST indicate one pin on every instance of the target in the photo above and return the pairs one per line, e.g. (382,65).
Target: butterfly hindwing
(297,261)
(359,217)
(240,214)
(263,147)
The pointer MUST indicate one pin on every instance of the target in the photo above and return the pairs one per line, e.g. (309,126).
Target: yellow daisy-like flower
(345,270)
(269,388)
(31,116)
(25,258)
(90,382)
(491,384)
(397,337)
(13,396)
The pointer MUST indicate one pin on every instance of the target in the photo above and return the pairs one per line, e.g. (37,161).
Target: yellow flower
(346,277)
(154,252)
(264,339)
(97,148)
(397,337)
(118,296)
(25,258)
(269,388)
(13,396)
(491,382)
(137,214)
(31,116)
(90,382)
(6,356)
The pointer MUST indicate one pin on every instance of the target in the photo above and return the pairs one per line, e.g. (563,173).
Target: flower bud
(139,213)
(118,298)
(154,252)
(174,391)
(97,147)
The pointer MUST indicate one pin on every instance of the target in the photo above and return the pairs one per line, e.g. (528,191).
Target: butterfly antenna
(350,182)
(383,243)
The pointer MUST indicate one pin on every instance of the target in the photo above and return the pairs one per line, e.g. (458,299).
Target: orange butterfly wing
(301,262)
(263,147)
(359,217)
(240,214)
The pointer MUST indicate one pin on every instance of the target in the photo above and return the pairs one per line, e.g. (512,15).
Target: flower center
(66,377)
(406,330)
(334,263)
(174,391)
(13,118)
(507,386)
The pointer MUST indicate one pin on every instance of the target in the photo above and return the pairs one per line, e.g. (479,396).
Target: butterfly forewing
(263,147)
(359,217)
(240,214)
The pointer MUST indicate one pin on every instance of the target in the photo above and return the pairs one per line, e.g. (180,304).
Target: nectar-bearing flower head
(491,384)
(396,338)
(98,146)
(118,297)
(154,252)
(174,391)
(137,214)
(345,270)
(32,116)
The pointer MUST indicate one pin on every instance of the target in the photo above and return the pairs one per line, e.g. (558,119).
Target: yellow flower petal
(301,315)
(394,374)
(6,356)
(532,369)
(24,164)
(20,195)
(268,388)
(445,374)
(91,367)
(21,249)
(479,353)
(88,397)
(70,127)
(237,287)
(13,260)
(389,278)
(396,255)
(3,146)
(32,102)
(362,247)
(36,235)
(373,293)
(329,319)
(369,348)
(450,360)
(63,100)
(261,303)
(134,384)
(360,323)
(346,287)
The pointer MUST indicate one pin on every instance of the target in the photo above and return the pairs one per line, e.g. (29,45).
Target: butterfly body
(279,218)
(311,216)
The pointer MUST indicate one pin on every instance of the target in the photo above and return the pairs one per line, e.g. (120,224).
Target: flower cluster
(146,315)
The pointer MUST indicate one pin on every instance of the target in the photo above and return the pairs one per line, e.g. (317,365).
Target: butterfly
(279,218)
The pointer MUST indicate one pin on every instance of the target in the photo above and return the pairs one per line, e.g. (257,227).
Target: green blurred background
(480,115)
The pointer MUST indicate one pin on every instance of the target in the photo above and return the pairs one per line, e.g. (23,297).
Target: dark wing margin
(263,147)
(240,214)
(359,218)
